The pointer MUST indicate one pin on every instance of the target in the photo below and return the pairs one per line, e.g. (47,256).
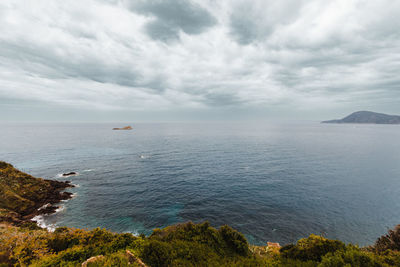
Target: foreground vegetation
(182,245)
(189,244)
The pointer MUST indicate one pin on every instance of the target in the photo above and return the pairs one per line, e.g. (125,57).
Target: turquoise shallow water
(273,182)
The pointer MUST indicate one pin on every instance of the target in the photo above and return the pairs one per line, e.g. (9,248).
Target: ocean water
(272,181)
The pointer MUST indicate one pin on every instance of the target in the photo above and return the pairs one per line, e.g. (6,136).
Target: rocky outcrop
(92,259)
(133,259)
(69,174)
(23,196)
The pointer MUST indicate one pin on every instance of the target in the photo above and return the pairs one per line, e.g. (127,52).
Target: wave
(60,208)
(44,206)
(41,222)
(41,219)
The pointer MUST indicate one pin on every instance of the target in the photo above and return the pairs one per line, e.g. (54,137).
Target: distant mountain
(368,117)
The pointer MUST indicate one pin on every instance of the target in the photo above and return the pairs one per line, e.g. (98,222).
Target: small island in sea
(124,128)
(23,243)
(368,117)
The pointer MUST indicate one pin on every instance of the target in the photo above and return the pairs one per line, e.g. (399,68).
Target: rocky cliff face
(22,195)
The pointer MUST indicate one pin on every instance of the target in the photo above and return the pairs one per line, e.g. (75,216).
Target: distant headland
(368,117)
(124,128)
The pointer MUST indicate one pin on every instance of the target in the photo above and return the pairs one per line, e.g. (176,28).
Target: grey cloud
(172,16)
(243,29)
(220,99)
(255,21)
(285,54)
(45,61)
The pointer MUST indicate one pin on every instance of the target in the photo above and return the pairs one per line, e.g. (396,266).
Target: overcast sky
(183,60)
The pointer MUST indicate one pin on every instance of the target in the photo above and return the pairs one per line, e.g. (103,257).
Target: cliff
(368,117)
(22,195)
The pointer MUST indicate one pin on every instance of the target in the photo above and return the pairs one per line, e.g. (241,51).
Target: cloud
(168,18)
(187,56)
(256,21)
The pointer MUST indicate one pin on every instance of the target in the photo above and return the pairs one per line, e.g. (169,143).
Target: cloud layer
(273,57)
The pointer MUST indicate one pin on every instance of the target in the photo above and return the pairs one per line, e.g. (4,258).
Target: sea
(272,181)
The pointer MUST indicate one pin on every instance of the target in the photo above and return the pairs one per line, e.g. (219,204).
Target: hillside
(21,195)
(368,117)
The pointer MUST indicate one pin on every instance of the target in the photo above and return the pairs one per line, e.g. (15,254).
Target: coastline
(33,196)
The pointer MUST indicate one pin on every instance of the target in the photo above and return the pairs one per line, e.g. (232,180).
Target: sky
(197,60)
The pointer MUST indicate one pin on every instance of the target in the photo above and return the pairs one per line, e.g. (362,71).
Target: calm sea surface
(273,182)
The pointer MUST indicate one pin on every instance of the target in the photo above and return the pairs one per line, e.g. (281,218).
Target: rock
(69,174)
(273,245)
(30,196)
(132,258)
(92,259)
(124,128)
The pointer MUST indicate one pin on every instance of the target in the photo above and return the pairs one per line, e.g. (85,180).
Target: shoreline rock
(69,174)
(22,196)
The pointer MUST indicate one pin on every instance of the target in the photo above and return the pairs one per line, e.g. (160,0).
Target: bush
(235,240)
(115,259)
(352,256)
(157,253)
(311,248)
(389,241)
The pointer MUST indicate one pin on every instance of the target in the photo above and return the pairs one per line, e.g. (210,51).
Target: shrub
(352,256)
(235,240)
(311,248)
(389,241)
(157,253)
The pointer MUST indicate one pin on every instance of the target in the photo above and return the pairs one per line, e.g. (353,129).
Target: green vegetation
(21,195)
(186,244)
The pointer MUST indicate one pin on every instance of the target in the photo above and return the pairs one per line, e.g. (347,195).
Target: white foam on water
(41,219)
(60,208)
(44,206)
(134,233)
(41,222)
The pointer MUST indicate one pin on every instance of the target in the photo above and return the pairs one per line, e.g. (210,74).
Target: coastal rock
(92,259)
(273,245)
(23,196)
(69,174)
(133,259)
